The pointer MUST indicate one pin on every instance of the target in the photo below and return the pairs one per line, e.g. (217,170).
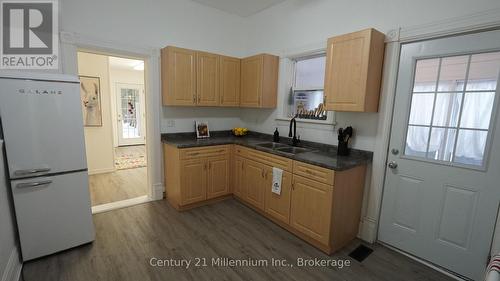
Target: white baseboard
(101,171)
(14,267)
(120,204)
(158,189)
(368,230)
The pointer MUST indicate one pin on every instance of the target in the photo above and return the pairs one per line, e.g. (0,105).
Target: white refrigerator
(42,127)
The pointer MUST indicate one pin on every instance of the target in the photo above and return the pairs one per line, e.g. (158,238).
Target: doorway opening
(114,112)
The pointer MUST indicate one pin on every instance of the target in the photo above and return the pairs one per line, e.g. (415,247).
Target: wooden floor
(127,239)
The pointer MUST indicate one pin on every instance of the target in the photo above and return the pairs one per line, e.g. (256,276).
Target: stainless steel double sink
(285,148)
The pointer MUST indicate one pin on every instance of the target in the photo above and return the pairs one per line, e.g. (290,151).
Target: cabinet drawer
(316,173)
(203,152)
(265,158)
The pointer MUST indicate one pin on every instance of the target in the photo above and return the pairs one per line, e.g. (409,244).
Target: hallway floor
(121,184)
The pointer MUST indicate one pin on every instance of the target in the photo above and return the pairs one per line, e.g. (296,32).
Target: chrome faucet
(295,140)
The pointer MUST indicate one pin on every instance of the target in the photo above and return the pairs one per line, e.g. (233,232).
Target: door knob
(393,165)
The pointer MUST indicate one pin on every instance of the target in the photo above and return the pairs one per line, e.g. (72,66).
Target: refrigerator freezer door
(42,127)
(53,213)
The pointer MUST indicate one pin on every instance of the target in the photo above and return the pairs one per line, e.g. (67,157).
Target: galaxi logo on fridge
(29,34)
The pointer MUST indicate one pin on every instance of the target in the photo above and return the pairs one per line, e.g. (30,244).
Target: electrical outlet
(171,123)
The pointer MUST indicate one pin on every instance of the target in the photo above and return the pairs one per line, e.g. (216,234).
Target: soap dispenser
(276,136)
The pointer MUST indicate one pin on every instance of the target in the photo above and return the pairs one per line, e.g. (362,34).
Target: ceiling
(243,8)
(126,64)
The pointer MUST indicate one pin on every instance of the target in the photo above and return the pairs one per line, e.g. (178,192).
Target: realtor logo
(29,35)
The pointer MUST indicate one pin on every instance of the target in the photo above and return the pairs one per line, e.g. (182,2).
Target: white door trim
(72,42)
(394,38)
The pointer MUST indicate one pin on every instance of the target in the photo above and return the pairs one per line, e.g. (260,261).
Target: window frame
(490,131)
(288,75)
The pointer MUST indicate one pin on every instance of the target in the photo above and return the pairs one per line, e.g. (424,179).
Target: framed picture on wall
(202,130)
(90,94)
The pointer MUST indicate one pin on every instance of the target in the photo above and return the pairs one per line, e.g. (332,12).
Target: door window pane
(454,118)
(452,74)
(470,147)
(416,141)
(447,109)
(441,144)
(477,110)
(421,109)
(129,113)
(483,73)
(426,73)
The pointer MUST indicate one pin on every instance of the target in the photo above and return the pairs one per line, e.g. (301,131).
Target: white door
(131,114)
(442,188)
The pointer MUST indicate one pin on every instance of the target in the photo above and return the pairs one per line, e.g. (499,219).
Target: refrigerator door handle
(33,184)
(31,171)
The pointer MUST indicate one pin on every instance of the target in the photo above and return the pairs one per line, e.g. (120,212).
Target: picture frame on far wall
(202,130)
(90,94)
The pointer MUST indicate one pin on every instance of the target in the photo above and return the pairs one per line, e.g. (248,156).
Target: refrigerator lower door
(53,213)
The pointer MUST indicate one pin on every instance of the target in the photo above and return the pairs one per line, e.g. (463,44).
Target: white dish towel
(277,177)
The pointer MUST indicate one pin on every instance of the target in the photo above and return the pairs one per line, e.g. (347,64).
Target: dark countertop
(322,155)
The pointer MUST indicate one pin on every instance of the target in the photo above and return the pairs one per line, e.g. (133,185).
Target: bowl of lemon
(239,132)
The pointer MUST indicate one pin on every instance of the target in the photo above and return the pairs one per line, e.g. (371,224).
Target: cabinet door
(207,79)
(278,206)
(229,81)
(311,208)
(178,76)
(254,183)
(218,177)
(193,181)
(353,71)
(238,182)
(251,81)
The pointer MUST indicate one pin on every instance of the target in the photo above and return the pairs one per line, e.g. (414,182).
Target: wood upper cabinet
(178,76)
(278,205)
(238,181)
(254,181)
(259,81)
(207,82)
(311,208)
(354,71)
(230,75)
(193,181)
(218,177)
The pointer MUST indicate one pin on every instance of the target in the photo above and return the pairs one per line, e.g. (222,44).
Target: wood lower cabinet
(230,72)
(354,71)
(178,76)
(254,181)
(207,79)
(311,208)
(239,189)
(319,205)
(195,175)
(218,177)
(193,181)
(259,81)
(278,205)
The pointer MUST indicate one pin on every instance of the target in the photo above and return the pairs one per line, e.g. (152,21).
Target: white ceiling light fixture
(242,8)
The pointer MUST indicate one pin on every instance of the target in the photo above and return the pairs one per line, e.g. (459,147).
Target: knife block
(342,148)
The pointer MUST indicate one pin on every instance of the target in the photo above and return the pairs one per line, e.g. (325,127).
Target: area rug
(129,161)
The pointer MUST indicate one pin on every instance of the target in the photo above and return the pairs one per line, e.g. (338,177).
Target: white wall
(99,140)
(296,26)
(9,254)
(123,76)
(158,23)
